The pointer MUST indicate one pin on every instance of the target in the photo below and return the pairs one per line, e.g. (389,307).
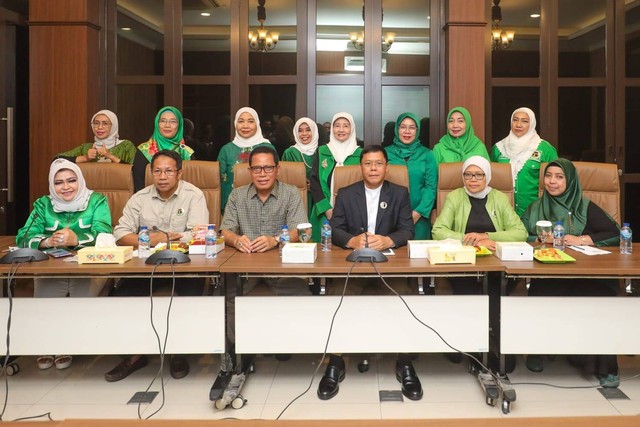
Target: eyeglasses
(477,175)
(369,165)
(97,124)
(170,122)
(409,128)
(167,172)
(256,170)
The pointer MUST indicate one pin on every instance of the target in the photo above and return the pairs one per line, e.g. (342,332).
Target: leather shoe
(329,384)
(411,387)
(178,367)
(535,363)
(125,368)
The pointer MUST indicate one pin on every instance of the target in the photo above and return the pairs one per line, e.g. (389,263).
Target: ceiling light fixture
(500,39)
(262,40)
(535,15)
(357,38)
(205,13)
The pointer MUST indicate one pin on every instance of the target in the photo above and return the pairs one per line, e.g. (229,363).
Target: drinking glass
(544,230)
(304,232)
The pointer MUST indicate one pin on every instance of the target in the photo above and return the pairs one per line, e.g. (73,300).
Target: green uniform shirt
(527,181)
(125,151)
(230,154)
(423,183)
(86,224)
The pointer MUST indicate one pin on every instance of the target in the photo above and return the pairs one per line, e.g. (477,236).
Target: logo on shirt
(536,155)
(180,212)
(324,163)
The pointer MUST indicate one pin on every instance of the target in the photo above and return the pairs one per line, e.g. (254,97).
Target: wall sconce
(357,40)
(262,40)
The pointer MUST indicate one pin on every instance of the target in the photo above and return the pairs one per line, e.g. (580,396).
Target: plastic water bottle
(626,246)
(144,243)
(325,237)
(285,238)
(558,236)
(210,242)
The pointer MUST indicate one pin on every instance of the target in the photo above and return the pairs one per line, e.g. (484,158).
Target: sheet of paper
(589,250)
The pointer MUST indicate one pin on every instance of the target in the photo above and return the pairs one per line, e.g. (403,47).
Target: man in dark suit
(372,213)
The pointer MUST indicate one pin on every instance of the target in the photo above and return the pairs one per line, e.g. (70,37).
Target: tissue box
(199,249)
(419,248)
(299,253)
(514,251)
(444,255)
(115,255)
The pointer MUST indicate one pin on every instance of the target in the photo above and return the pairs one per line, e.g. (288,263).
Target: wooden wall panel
(64,11)
(466,37)
(63,88)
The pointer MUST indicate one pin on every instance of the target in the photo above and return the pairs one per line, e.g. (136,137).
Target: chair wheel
(363,366)
(12,369)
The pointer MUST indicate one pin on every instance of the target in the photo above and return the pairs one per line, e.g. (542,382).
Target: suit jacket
(350,214)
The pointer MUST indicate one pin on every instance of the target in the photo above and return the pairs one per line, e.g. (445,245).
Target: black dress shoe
(125,368)
(411,386)
(329,384)
(178,367)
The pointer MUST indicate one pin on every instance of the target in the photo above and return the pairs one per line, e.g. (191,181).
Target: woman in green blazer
(341,150)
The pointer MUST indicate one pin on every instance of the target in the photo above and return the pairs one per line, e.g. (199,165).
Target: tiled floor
(449,391)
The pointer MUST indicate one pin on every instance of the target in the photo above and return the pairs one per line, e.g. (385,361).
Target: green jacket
(86,224)
(452,221)
(125,151)
(443,155)
(323,166)
(230,154)
(423,183)
(527,181)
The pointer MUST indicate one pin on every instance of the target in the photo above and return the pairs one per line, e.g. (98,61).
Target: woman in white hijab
(305,133)
(106,146)
(70,217)
(248,136)
(525,150)
(341,150)
(477,214)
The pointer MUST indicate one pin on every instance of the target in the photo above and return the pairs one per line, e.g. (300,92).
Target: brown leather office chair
(347,175)
(206,176)
(450,178)
(293,173)
(114,180)
(600,183)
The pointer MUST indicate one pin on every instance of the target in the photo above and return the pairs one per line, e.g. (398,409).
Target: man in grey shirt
(173,206)
(253,219)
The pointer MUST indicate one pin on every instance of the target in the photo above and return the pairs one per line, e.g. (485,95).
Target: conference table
(301,324)
(114,325)
(572,325)
(362,324)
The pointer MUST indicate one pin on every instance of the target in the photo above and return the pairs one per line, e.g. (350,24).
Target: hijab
(256,139)
(406,150)
(112,139)
(310,148)
(342,150)
(483,164)
(557,208)
(81,201)
(467,141)
(158,142)
(519,150)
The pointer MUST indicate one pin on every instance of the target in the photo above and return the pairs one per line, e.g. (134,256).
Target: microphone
(25,254)
(167,256)
(366,254)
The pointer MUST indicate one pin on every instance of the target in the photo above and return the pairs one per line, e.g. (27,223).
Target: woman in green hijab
(460,142)
(167,135)
(585,224)
(407,150)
